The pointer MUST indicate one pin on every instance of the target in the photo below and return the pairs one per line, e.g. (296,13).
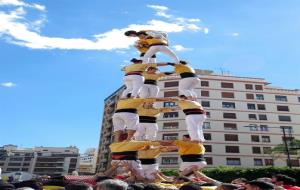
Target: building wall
(41,160)
(268,130)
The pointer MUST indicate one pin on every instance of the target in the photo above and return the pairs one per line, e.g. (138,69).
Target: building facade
(246,118)
(53,161)
(87,164)
(106,136)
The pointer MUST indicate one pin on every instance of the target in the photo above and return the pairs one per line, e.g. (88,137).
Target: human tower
(135,147)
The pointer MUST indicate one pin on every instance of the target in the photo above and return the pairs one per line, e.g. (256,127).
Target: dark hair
(141,33)
(135,187)
(6,186)
(285,179)
(183,178)
(183,62)
(135,60)
(151,187)
(182,96)
(241,179)
(30,183)
(262,185)
(191,186)
(129,32)
(77,186)
(186,136)
(228,186)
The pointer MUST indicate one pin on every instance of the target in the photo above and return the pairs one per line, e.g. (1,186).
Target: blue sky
(60,60)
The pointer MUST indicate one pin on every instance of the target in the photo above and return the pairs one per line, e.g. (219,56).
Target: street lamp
(289,163)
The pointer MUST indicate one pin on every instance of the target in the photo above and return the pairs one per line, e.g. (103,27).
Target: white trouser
(122,120)
(149,91)
(189,165)
(146,131)
(133,164)
(159,48)
(194,124)
(152,59)
(133,85)
(150,170)
(187,86)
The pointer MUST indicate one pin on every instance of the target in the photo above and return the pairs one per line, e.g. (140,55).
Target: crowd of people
(276,182)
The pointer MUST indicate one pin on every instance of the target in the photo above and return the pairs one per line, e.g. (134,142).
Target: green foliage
(227,174)
(294,146)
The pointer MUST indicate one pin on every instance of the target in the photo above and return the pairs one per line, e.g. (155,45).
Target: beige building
(246,118)
(53,161)
(87,162)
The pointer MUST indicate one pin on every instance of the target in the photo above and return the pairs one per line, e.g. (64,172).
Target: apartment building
(53,161)
(87,164)
(106,136)
(246,118)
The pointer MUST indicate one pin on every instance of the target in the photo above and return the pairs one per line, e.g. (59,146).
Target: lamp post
(289,163)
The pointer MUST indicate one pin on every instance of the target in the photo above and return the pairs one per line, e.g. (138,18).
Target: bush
(227,174)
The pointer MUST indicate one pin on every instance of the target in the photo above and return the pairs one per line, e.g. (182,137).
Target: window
(207,136)
(169,160)
(227,95)
(265,139)
(206,125)
(251,106)
(258,162)
(264,128)
(208,114)
(261,107)
(269,162)
(267,150)
(226,85)
(230,126)
(208,148)
(254,138)
(281,98)
(170,93)
(256,150)
(252,117)
(16,159)
(14,164)
(204,83)
(171,84)
(204,93)
(169,104)
(231,137)
(262,117)
(229,115)
(233,161)
(27,159)
(171,136)
(228,105)
(299,99)
(232,149)
(283,108)
(209,160)
(250,96)
(258,87)
(25,169)
(171,125)
(253,127)
(284,118)
(295,163)
(287,129)
(205,103)
(170,114)
(260,97)
(249,86)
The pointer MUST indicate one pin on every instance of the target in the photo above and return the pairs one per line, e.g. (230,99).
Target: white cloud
(180,48)
(23,32)
(22,4)
(8,84)
(235,34)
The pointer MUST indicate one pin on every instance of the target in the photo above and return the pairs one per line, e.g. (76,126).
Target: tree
(279,151)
